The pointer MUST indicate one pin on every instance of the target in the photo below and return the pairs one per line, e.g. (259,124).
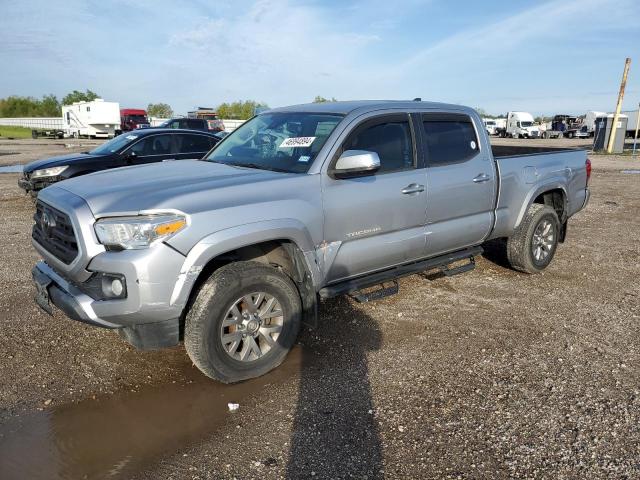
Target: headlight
(49,172)
(138,232)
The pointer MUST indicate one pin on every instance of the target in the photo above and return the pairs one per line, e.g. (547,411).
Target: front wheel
(244,321)
(532,246)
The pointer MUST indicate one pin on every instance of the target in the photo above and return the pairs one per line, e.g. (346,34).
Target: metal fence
(45,123)
(53,123)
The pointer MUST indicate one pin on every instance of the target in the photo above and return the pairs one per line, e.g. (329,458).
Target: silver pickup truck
(232,253)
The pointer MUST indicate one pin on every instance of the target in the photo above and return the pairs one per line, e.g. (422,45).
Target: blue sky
(544,56)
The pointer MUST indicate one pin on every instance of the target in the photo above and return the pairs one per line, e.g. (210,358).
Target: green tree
(239,110)
(16,106)
(77,96)
(321,99)
(159,110)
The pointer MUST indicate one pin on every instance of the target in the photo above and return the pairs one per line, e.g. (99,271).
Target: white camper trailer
(97,119)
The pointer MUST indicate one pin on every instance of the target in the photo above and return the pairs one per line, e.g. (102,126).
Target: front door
(461,183)
(376,221)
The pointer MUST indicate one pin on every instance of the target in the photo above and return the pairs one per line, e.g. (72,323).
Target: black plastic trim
(376,278)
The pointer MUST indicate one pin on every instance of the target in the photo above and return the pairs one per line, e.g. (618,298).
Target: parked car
(210,115)
(232,253)
(189,124)
(143,146)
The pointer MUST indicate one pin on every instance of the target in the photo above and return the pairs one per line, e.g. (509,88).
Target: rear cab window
(449,138)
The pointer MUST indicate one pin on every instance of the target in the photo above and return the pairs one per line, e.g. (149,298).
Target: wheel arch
(553,192)
(288,249)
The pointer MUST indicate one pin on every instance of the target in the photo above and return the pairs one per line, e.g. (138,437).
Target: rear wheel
(244,321)
(532,246)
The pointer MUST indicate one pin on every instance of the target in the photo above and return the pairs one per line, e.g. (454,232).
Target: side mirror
(356,163)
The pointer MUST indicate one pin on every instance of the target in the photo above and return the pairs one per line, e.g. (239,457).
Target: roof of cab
(347,107)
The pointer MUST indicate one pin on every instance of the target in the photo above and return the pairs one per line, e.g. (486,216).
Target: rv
(95,119)
(520,125)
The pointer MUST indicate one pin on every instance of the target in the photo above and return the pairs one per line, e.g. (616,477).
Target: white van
(95,119)
(521,125)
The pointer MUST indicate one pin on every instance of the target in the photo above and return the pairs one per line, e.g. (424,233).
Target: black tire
(520,251)
(202,335)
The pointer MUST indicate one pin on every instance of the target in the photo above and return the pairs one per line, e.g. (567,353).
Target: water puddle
(115,436)
(631,171)
(11,169)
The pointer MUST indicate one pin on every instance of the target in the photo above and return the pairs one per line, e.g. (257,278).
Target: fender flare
(229,239)
(555,184)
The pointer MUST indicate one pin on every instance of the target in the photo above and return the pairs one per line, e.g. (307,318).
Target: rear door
(376,221)
(461,182)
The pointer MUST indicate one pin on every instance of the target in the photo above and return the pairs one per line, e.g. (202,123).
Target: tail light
(588,168)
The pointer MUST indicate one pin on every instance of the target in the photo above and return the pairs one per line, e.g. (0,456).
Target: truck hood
(58,161)
(186,185)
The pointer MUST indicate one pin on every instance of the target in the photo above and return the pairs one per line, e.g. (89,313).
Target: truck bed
(526,171)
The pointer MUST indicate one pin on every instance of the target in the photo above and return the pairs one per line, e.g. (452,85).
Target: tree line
(47,106)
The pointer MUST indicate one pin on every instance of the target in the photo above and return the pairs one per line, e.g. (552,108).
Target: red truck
(132,119)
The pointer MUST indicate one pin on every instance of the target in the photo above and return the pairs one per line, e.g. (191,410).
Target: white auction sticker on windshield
(293,142)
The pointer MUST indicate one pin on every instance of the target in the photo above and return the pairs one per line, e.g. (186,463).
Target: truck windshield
(526,124)
(137,119)
(282,142)
(114,145)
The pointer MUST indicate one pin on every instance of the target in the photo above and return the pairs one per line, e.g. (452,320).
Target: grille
(53,231)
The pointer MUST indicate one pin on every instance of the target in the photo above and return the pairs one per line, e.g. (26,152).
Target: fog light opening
(117,287)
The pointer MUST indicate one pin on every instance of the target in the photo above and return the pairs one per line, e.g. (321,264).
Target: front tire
(244,321)
(532,246)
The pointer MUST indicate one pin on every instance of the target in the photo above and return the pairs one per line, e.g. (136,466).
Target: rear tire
(532,246)
(211,322)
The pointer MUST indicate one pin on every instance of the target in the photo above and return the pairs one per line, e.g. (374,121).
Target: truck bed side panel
(525,177)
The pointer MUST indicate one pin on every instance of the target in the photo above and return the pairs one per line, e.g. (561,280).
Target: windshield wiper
(259,167)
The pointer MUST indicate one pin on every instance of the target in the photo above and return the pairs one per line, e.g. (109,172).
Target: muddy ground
(491,374)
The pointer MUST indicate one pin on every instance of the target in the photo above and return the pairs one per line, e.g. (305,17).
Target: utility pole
(623,84)
(635,137)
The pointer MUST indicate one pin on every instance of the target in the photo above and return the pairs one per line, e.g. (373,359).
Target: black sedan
(134,148)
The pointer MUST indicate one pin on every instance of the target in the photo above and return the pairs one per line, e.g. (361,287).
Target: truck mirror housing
(356,163)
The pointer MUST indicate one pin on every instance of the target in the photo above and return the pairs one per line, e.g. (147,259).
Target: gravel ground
(18,152)
(491,374)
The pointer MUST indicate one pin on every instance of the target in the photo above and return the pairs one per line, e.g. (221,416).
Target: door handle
(412,188)
(483,177)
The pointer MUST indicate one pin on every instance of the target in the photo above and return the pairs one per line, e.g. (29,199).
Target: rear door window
(449,138)
(193,143)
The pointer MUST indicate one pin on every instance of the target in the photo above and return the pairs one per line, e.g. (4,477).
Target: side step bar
(377,278)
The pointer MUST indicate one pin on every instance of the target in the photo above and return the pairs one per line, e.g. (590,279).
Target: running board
(360,283)
(383,291)
(467,267)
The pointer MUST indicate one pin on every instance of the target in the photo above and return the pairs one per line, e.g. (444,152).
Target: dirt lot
(491,374)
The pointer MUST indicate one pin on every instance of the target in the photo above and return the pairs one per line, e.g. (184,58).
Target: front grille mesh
(53,231)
